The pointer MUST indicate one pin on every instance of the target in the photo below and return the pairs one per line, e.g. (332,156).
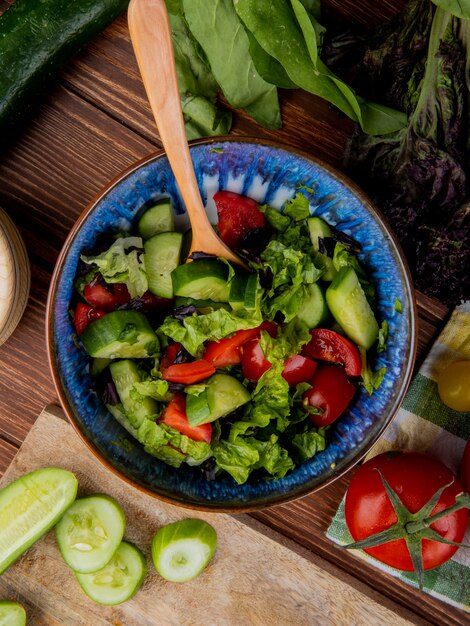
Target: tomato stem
(462,501)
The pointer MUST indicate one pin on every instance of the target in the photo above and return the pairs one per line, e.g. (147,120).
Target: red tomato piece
(84,315)
(331,391)
(174,416)
(465,468)
(416,478)
(169,357)
(238,215)
(254,363)
(227,351)
(189,373)
(106,298)
(327,345)
(298,369)
(150,302)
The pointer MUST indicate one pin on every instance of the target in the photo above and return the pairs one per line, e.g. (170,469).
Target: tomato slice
(107,299)
(189,373)
(331,391)
(327,345)
(238,215)
(298,369)
(174,416)
(227,351)
(84,315)
(254,363)
(169,357)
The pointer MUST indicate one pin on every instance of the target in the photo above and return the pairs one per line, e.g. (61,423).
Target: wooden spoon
(151,38)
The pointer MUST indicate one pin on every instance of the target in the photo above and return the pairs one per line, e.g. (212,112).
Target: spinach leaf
(217,28)
(267,66)
(459,8)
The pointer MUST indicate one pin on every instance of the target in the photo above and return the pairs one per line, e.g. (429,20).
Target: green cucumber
(90,532)
(222,395)
(157,219)
(36,39)
(119,579)
(97,366)
(12,614)
(319,229)
(252,292)
(204,279)
(348,305)
(182,550)
(120,335)
(124,374)
(29,507)
(162,255)
(203,306)
(244,292)
(314,311)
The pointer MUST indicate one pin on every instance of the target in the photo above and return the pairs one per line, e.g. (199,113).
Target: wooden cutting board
(257,577)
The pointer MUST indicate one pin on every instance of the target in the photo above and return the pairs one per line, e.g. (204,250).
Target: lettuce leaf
(237,458)
(308,443)
(153,388)
(123,263)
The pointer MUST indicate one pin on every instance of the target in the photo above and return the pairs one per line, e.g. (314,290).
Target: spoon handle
(150,32)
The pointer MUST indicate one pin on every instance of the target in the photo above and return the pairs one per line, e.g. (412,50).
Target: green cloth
(424,423)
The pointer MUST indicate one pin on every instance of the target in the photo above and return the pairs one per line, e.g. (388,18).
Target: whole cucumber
(36,38)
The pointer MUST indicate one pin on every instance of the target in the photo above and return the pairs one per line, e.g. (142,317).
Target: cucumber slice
(204,279)
(98,366)
(251,292)
(125,374)
(203,306)
(119,579)
(162,255)
(236,297)
(157,219)
(319,229)
(120,335)
(182,550)
(314,311)
(222,395)
(29,507)
(350,308)
(12,614)
(90,532)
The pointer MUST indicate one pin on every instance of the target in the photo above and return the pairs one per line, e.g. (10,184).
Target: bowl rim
(283,499)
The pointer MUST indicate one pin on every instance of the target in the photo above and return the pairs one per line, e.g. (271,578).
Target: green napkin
(424,423)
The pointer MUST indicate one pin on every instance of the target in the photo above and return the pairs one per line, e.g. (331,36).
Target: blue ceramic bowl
(269,174)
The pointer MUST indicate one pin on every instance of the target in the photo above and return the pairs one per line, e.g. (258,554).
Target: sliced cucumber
(119,579)
(222,395)
(203,306)
(157,219)
(162,255)
(29,507)
(314,311)
(90,532)
(236,297)
(12,614)
(348,305)
(182,550)
(319,229)
(98,366)
(204,279)
(120,335)
(251,292)
(125,374)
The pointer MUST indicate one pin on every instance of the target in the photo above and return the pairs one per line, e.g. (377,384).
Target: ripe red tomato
(169,357)
(465,468)
(84,315)
(189,373)
(415,478)
(174,416)
(227,351)
(254,363)
(298,369)
(107,298)
(327,345)
(331,391)
(238,215)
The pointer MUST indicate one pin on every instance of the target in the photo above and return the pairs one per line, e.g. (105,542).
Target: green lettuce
(123,263)
(308,443)
(371,379)
(152,388)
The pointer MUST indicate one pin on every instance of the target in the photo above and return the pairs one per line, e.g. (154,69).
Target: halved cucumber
(348,305)
(182,550)
(204,279)
(30,506)
(119,579)
(157,219)
(314,311)
(244,292)
(12,614)
(90,532)
(319,229)
(124,374)
(222,395)
(120,335)
(162,255)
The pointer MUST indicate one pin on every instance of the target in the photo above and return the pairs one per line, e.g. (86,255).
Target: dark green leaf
(459,8)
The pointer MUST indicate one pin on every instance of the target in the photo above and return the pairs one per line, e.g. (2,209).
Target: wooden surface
(272,584)
(93,122)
